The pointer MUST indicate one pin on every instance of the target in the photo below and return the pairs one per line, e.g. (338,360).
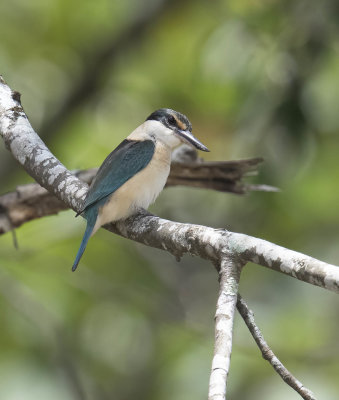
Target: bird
(133,175)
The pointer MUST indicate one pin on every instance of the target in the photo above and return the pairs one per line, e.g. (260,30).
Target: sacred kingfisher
(134,174)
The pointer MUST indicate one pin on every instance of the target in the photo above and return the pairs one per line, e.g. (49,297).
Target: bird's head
(173,128)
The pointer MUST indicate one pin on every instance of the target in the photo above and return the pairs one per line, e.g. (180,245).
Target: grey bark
(224,249)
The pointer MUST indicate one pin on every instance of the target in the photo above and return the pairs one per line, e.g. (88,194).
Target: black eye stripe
(171,120)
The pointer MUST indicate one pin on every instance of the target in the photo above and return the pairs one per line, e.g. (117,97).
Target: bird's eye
(171,120)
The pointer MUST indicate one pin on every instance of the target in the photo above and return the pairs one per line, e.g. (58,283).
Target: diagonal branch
(228,251)
(268,354)
(174,237)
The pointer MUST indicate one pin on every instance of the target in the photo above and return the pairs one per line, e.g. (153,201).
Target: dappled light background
(256,78)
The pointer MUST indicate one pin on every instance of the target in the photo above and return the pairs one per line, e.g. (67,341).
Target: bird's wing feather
(130,157)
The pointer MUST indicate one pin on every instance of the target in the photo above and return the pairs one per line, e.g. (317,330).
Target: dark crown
(171,119)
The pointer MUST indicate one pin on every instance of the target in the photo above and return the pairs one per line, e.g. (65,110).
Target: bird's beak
(189,138)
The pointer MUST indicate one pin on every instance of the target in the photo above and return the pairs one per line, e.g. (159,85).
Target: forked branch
(228,251)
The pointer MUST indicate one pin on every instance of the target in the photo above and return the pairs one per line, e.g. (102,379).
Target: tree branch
(268,354)
(32,201)
(218,246)
(176,238)
(229,275)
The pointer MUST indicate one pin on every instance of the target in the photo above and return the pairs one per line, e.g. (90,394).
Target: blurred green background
(256,78)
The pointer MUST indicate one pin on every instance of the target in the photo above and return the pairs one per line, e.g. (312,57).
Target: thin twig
(268,354)
(224,321)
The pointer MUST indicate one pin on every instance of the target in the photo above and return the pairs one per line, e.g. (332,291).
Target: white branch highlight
(224,320)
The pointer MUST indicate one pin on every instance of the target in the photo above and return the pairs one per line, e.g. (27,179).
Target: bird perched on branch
(134,174)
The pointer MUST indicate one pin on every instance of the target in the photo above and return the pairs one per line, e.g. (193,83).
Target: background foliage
(256,78)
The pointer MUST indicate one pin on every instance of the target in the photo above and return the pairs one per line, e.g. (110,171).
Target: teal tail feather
(91,215)
(87,235)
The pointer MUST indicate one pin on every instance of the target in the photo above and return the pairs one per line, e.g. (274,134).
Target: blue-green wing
(123,163)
